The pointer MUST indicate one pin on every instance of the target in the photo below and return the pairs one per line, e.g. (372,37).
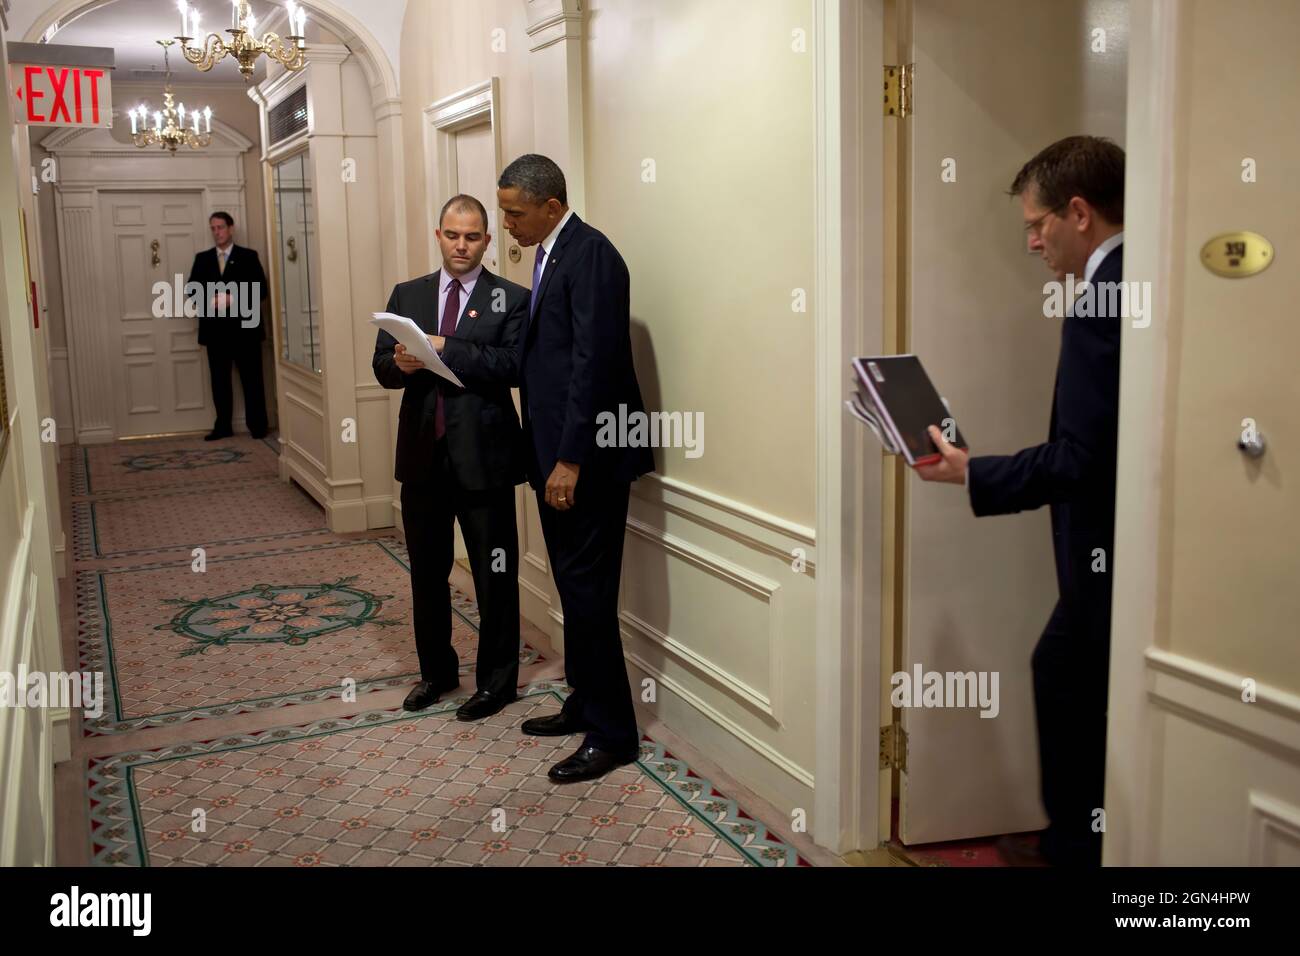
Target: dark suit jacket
(242,266)
(483,436)
(1074,471)
(576,360)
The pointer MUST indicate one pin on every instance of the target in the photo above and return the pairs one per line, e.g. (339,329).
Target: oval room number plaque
(1237,254)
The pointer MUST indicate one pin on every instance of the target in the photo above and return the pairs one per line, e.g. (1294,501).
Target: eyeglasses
(1035,228)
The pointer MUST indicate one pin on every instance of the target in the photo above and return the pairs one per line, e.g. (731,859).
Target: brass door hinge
(893,747)
(898,90)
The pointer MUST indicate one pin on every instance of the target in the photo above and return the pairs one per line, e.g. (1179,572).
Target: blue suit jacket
(576,361)
(1074,471)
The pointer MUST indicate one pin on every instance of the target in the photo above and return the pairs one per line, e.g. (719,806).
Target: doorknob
(1254,446)
(153,246)
(292,243)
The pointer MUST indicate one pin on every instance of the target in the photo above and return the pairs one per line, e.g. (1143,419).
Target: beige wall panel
(1235,561)
(716,97)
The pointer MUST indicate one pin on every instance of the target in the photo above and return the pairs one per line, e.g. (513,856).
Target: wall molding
(443,119)
(1211,696)
(1271,822)
(744,523)
(767,751)
(755,585)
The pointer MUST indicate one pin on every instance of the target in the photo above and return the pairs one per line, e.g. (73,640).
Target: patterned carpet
(257,509)
(139,466)
(394,789)
(253,631)
(285,617)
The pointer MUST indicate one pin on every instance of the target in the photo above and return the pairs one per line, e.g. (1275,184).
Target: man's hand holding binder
(952,468)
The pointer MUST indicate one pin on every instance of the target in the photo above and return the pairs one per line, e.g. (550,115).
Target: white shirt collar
(466,281)
(549,242)
(227,249)
(1099,255)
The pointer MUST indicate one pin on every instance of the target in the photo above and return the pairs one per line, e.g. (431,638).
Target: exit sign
(57,85)
(61,95)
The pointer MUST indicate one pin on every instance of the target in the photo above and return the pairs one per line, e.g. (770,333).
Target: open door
(993,83)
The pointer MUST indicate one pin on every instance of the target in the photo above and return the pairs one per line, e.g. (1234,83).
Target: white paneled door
(979,591)
(160,378)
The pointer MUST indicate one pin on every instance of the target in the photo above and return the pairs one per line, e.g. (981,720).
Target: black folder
(906,404)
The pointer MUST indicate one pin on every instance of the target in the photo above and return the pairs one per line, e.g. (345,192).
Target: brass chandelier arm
(288,55)
(214,49)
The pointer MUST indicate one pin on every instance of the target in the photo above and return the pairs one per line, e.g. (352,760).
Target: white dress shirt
(549,242)
(1099,255)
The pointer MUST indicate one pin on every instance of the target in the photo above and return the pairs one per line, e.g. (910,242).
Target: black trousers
(247,357)
(585,545)
(487,522)
(1071,669)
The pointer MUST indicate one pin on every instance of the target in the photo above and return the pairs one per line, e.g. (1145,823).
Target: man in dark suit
(234,287)
(575,363)
(1072,198)
(460,456)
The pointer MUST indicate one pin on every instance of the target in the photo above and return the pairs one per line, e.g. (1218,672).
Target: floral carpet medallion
(276,614)
(182,458)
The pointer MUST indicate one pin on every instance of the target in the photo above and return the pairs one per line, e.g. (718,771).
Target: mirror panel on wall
(295,230)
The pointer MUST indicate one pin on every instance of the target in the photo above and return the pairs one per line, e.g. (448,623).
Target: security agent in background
(459,456)
(222,330)
(1072,199)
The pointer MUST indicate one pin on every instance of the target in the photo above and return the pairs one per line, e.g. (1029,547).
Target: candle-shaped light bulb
(194,23)
(157,121)
(293,16)
(180,4)
(181,108)
(195,114)
(234,13)
(302,22)
(132,115)
(207,117)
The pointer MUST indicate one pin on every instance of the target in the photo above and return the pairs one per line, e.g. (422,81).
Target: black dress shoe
(483,705)
(258,435)
(556,725)
(588,764)
(217,435)
(425,693)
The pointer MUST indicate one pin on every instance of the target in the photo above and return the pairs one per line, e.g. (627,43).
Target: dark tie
(450,313)
(537,280)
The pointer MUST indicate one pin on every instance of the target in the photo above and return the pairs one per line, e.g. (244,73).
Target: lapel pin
(472,313)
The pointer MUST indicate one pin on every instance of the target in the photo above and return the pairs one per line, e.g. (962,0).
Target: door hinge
(893,747)
(898,90)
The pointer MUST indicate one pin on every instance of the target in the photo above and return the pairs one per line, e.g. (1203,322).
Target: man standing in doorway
(576,362)
(1072,198)
(460,456)
(230,324)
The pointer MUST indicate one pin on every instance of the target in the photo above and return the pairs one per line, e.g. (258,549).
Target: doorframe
(81,156)
(848,306)
(1154,237)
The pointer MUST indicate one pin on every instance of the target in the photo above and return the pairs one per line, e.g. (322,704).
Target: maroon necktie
(450,313)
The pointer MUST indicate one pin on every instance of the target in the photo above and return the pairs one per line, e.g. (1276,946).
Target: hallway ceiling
(131,28)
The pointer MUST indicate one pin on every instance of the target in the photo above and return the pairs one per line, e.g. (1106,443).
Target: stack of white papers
(417,343)
(863,408)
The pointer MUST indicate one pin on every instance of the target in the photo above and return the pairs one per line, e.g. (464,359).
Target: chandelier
(243,45)
(168,129)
